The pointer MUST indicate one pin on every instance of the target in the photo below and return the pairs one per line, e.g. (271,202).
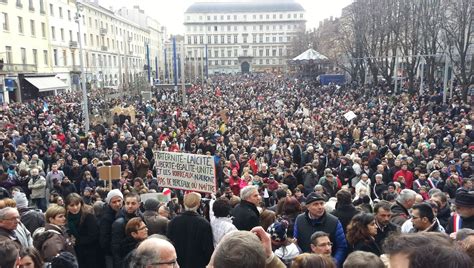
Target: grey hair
(144,258)
(406,195)
(239,249)
(379,176)
(5,211)
(247,191)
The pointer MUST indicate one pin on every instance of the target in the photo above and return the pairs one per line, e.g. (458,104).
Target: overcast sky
(171,13)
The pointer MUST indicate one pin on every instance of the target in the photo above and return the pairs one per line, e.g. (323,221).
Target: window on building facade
(19,4)
(267,52)
(228,17)
(222,39)
(189,39)
(45,57)
(5,25)
(209,39)
(69,15)
(61,12)
(267,39)
(260,52)
(55,57)
(216,38)
(8,55)
(274,52)
(51,10)
(195,39)
(280,51)
(20,25)
(267,16)
(41,2)
(229,39)
(244,39)
(235,39)
(65,57)
(32,28)
(43,30)
(215,28)
(35,57)
(216,53)
(62,34)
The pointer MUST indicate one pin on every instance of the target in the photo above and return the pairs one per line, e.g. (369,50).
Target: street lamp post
(85,108)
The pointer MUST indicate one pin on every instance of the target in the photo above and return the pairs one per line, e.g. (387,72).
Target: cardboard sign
(190,172)
(350,115)
(109,173)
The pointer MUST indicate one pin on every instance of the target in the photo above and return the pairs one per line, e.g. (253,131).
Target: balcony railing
(73,44)
(75,68)
(103,31)
(9,68)
(103,48)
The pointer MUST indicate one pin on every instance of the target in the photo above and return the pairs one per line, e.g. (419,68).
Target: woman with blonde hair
(53,238)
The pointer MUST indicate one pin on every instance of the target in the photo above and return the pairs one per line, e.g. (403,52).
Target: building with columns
(39,52)
(242,36)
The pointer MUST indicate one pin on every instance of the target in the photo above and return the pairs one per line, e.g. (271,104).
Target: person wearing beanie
(114,202)
(317,219)
(190,230)
(31,218)
(64,260)
(156,223)
(464,216)
(283,248)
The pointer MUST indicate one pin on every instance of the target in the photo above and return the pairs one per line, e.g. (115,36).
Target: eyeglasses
(13,219)
(172,263)
(142,228)
(329,244)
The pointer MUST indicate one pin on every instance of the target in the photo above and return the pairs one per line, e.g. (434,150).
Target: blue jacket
(305,227)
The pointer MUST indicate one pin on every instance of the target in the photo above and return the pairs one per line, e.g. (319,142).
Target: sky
(171,13)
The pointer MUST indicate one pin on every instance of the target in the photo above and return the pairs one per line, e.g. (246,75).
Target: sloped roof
(230,7)
(310,54)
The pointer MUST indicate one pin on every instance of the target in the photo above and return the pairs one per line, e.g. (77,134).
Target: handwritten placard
(185,171)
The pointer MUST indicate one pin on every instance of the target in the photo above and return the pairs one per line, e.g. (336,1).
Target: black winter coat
(87,246)
(345,213)
(246,216)
(191,235)
(105,229)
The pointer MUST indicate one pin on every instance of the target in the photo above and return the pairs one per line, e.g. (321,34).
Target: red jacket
(408,175)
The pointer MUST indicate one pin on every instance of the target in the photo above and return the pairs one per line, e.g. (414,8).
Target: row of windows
(99,41)
(233,39)
(235,62)
(244,17)
(257,52)
(61,58)
(237,28)
(114,29)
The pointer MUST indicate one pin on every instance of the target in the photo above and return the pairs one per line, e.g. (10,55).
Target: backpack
(40,235)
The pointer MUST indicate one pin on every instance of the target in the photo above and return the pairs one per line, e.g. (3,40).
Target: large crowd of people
(299,183)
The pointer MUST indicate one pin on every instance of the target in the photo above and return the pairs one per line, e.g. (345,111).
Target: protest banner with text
(186,171)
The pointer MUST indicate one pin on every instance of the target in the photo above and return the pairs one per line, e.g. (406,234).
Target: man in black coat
(191,235)
(246,215)
(382,219)
(114,202)
(130,210)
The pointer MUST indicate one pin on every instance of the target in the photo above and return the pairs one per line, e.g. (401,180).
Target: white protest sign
(186,171)
(350,115)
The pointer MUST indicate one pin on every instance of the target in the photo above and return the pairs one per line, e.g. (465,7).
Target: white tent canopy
(310,54)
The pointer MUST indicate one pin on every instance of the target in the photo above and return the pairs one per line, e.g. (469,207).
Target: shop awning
(46,83)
